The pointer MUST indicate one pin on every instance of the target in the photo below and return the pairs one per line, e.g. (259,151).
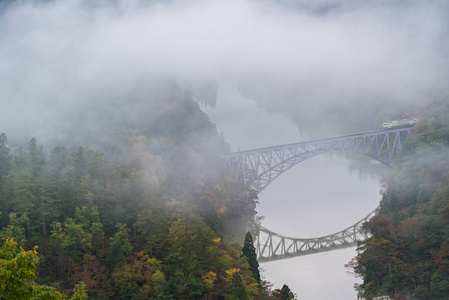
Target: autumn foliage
(137,212)
(408,253)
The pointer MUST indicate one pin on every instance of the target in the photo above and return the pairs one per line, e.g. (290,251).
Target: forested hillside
(132,203)
(408,254)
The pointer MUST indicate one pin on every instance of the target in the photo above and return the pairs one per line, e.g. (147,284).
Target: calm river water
(320,196)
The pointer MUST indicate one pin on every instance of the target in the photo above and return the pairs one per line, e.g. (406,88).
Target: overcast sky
(56,54)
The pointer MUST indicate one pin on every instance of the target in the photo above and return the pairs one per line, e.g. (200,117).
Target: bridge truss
(272,246)
(258,168)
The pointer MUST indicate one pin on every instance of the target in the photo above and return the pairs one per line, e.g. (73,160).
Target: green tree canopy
(249,251)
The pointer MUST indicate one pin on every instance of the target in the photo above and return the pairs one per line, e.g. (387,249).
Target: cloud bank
(58,54)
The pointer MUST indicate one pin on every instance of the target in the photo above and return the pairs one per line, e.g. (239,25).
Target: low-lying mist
(331,61)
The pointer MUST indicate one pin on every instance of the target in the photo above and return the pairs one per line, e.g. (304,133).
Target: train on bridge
(399,123)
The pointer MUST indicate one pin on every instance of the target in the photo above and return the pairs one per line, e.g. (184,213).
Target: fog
(317,197)
(321,63)
(314,56)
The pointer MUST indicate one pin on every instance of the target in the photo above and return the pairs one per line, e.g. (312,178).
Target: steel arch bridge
(258,168)
(273,246)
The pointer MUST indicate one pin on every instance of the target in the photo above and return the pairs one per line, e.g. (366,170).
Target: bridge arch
(272,246)
(259,167)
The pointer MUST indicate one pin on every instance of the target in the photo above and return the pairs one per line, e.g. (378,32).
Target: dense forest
(407,256)
(131,205)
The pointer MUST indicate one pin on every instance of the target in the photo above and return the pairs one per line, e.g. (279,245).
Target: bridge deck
(312,142)
(257,168)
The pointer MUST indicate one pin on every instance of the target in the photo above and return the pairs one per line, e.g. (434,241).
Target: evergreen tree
(174,194)
(120,247)
(286,293)
(59,162)
(16,229)
(5,160)
(80,164)
(249,251)
(45,206)
(36,158)
(5,164)
(20,158)
(408,250)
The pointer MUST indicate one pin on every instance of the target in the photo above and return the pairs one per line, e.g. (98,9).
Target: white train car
(399,123)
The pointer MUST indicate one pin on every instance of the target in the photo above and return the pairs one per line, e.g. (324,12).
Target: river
(319,196)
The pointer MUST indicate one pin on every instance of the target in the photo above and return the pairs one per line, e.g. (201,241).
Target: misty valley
(239,149)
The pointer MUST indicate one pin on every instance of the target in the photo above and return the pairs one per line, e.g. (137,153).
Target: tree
(286,293)
(120,247)
(15,230)
(80,164)
(5,160)
(191,253)
(140,270)
(79,292)
(249,251)
(58,163)
(21,196)
(17,272)
(76,240)
(237,289)
(36,158)
(20,158)
(45,206)
(407,252)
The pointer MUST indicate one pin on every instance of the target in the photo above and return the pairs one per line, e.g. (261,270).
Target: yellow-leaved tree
(17,274)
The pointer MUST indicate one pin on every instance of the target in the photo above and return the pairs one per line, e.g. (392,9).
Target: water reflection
(317,197)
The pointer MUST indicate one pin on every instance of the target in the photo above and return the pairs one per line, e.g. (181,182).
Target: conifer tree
(80,164)
(5,160)
(286,293)
(249,251)
(5,165)
(120,247)
(36,158)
